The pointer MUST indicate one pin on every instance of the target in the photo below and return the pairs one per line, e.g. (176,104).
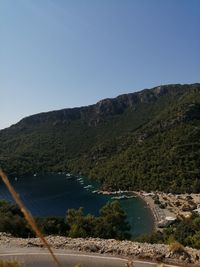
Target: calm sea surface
(53,194)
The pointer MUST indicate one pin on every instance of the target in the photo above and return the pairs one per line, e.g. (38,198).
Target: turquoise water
(53,194)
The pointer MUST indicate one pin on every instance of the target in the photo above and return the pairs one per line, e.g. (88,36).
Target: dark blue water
(53,194)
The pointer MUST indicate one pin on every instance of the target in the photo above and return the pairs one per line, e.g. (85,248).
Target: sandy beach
(158,213)
(169,206)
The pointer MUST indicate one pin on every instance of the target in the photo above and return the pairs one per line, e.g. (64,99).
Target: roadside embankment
(128,249)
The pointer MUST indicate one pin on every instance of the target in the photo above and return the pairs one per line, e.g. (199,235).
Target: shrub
(176,247)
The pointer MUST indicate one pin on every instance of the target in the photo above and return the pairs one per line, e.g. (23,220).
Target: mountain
(146,140)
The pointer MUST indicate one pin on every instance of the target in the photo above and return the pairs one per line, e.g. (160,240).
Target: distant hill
(145,140)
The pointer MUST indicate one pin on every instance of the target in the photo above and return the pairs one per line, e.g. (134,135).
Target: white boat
(88,186)
(119,197)
(123,197)
(130,196)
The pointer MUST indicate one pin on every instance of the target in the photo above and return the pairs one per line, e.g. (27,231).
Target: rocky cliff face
(94,114)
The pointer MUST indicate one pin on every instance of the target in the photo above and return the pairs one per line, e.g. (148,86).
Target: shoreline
(149,204)
(150,208)
(165,208)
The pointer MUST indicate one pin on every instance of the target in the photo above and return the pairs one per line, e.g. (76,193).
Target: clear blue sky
(63,53)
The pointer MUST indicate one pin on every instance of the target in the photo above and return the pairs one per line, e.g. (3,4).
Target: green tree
(112,222)
(52,225)
(80,225)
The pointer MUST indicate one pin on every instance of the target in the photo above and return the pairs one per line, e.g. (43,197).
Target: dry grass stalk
(28,216)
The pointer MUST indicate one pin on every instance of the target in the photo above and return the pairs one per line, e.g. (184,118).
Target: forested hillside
(145,140)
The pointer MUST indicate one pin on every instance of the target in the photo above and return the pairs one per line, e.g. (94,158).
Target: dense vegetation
(76,224)
(186,232)
(147,140)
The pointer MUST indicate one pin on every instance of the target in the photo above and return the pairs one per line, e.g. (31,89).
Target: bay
(53,194)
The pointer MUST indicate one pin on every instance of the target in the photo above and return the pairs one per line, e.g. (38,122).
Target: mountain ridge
(129,99)
(140,140)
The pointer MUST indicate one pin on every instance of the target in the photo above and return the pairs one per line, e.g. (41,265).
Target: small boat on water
(119,197)
(88,186)
(123,197)
(69,177)
(130,196)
